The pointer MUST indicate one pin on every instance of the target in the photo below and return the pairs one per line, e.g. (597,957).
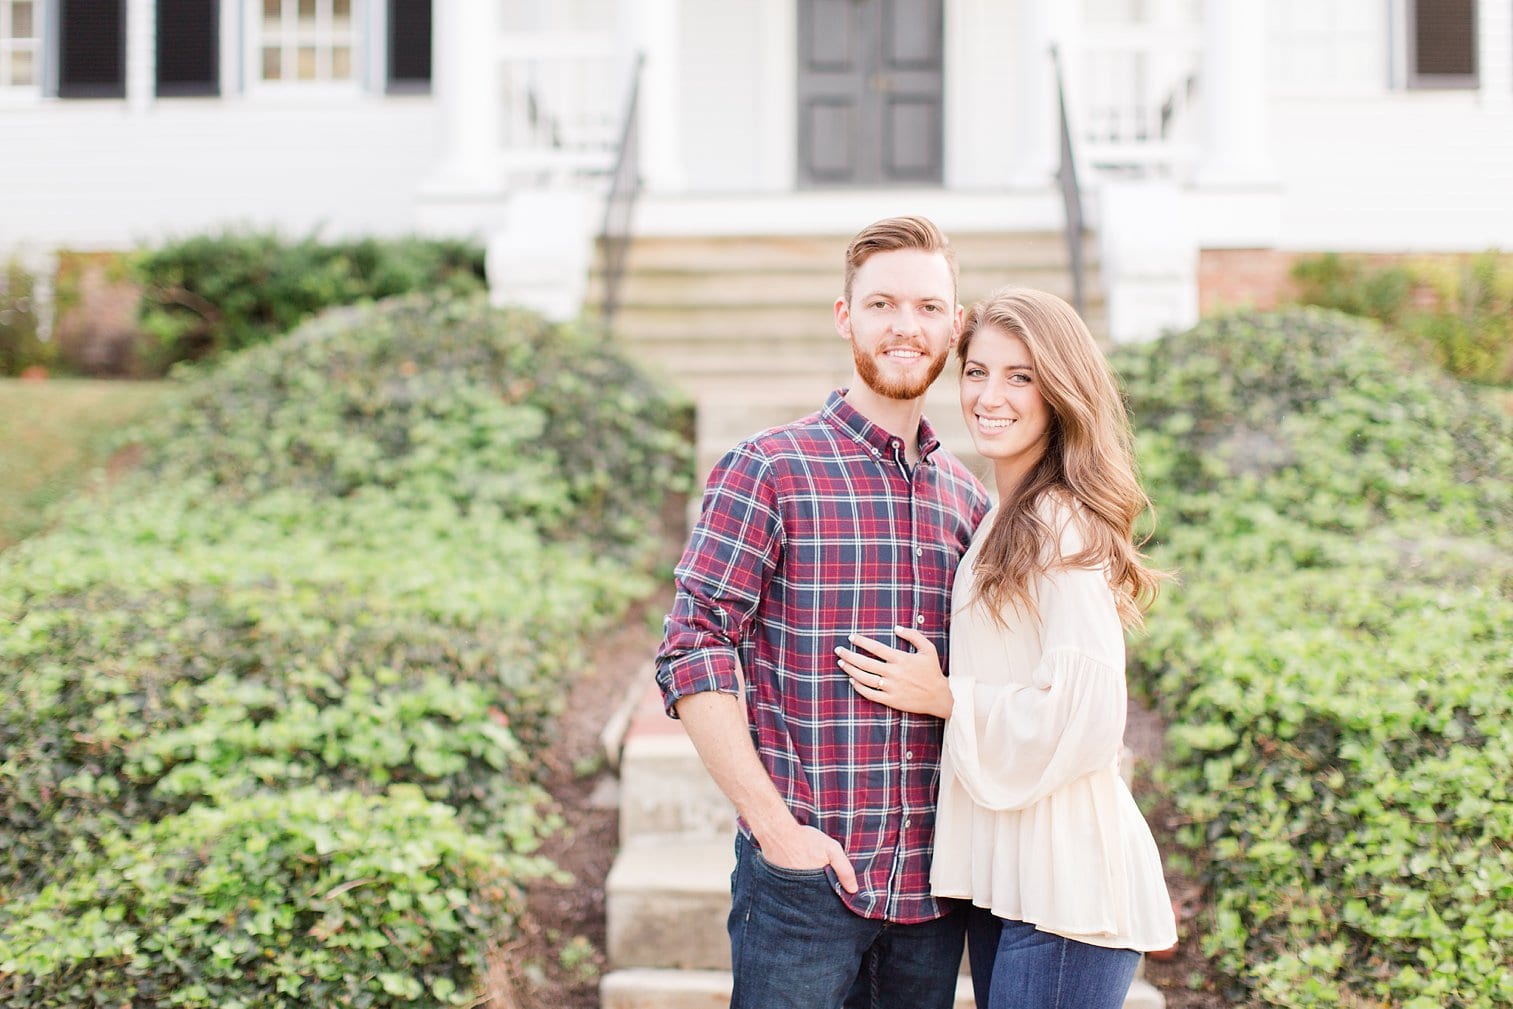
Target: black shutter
(189,46)
(409,45)
(92,49)
(1444,43)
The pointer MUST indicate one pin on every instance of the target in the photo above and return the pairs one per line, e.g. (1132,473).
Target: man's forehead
(914,273)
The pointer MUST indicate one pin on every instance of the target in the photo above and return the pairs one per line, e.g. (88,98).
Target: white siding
(1414,172)
(96,175)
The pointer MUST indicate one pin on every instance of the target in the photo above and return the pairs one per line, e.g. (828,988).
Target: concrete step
(642,988)
(741,253)
(666,795)
(799,288)
(666,904)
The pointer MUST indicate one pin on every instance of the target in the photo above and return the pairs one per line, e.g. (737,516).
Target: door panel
(869,92)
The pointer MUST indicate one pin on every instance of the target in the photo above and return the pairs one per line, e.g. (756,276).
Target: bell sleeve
(1012,745)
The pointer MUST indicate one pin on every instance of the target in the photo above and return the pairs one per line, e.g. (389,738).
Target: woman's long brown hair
(1089,459)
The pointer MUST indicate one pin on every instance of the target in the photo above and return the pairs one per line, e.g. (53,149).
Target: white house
(1212,137)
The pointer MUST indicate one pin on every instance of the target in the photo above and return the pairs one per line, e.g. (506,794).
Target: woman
(1035,827)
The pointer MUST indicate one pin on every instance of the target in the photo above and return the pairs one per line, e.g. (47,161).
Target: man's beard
(901,388)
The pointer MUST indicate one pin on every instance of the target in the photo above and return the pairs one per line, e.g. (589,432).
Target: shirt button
(919,551)
(908,754)
(919,619)
(906,823)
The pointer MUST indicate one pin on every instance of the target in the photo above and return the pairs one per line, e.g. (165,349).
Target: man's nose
(906,320)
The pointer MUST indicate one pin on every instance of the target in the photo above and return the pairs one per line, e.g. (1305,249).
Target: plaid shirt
(810,532)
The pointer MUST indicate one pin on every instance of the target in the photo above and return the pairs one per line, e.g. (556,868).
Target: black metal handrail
(625,186)
(1071,193)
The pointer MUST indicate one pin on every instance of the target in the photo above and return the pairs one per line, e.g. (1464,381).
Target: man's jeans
(795,945)
(1014,964)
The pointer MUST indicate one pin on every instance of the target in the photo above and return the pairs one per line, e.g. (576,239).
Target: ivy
(1335,663)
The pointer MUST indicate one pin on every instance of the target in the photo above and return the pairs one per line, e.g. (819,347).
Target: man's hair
(893,234)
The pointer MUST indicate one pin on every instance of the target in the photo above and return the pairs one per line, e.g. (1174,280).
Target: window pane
(21,19)
(341,12)
(21,68)
(307,63)
(306,10)
(271,11)
(272,64)
(341,63)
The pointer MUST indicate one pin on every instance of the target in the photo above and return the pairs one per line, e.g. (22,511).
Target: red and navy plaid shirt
(808,533)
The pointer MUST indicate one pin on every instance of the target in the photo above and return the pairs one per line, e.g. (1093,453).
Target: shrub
(19,346)
(279,691)
(1459,312)
(487,410)
(211,294)
(1334,664)
(281,900)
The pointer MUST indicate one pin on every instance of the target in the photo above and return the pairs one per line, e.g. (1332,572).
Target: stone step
(666,904)
(646,988)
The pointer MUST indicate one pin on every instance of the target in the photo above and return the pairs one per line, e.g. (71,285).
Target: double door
(869,92)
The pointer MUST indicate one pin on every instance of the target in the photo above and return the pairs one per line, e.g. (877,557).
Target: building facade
(1201,129)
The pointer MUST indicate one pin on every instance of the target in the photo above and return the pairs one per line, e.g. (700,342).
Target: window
(409,45)
(92,49)
(307,40)
(19,30)
(1442,44)
(189,46)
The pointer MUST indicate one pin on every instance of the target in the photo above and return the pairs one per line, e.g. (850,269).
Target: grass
(53,436)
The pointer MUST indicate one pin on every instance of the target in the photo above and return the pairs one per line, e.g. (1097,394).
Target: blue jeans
(795,945)
(1015,966)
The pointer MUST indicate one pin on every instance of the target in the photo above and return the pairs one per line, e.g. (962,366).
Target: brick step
(646,988)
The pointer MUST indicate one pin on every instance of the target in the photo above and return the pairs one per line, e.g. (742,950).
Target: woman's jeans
(795,945)
(1015,966)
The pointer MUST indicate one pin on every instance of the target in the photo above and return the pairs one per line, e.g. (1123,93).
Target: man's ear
(961,318)
(843,318)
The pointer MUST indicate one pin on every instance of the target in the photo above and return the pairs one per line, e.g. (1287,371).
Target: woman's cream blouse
(1035,822)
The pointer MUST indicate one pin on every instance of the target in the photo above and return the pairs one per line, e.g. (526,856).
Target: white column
(653,25)
(141,54)
(1040,24)
(465,64)
(1235,146)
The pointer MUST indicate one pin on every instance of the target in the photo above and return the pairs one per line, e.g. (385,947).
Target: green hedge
(266,716)
(206,295)
(1335,664)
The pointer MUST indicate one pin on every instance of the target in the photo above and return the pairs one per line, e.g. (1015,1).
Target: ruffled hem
(1080,864)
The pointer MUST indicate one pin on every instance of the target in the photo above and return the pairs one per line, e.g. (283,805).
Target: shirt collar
(843,415)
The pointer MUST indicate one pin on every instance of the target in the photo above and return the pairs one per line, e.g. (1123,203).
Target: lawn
(54,435)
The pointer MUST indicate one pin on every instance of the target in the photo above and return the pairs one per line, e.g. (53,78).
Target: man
(849,521)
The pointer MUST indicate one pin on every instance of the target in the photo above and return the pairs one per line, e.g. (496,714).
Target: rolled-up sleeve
(731,556)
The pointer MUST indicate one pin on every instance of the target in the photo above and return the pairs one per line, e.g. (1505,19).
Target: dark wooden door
(869,92)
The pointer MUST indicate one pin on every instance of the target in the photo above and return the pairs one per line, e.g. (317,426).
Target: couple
(885,811)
